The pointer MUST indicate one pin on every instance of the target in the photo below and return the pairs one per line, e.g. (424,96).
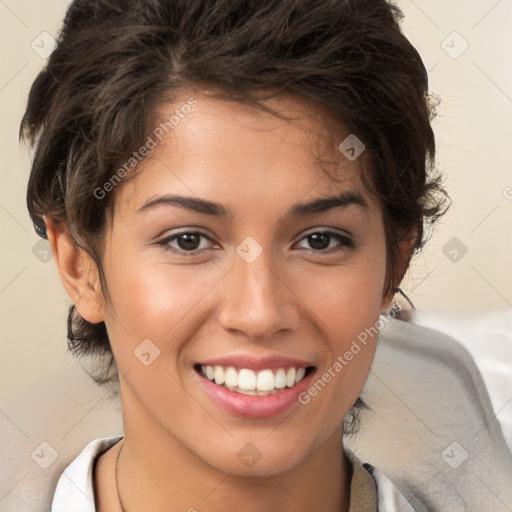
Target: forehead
(230,149)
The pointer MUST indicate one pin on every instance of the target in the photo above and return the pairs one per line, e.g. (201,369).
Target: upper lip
(256,363)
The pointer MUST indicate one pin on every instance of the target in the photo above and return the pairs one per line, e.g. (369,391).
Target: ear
(78,271)
(405,250)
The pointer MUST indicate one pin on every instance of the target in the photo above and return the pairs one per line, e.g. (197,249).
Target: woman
(233,192)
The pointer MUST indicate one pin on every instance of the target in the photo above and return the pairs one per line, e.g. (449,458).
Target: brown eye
(187,243)
(319,241)
(327,241)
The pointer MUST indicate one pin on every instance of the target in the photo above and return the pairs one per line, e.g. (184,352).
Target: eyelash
(346,243)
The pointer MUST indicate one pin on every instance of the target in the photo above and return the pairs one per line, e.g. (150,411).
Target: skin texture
(179,447)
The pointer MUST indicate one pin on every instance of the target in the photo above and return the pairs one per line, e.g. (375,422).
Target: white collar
(369,488)
(75,486)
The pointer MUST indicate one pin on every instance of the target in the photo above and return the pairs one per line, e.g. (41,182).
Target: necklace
(117,483)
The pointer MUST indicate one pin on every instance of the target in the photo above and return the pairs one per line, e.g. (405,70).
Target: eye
(327,241)
(186,242)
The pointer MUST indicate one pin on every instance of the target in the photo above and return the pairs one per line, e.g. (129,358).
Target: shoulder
(426,404)
(389,497)
(75,485)
(371,490)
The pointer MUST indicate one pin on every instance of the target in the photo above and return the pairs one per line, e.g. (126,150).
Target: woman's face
(234,256)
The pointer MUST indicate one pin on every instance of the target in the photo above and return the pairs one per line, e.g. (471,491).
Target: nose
(256,299)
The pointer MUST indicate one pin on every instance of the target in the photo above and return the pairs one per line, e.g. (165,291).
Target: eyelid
(165,241)
(327,230)
(345,236)
(169,234)
(347,241)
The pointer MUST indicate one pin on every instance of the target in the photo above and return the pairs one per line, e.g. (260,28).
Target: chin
(257,456)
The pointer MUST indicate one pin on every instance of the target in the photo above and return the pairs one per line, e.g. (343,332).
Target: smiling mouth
(257,383)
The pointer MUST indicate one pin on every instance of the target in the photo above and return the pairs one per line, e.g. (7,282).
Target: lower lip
(251,406)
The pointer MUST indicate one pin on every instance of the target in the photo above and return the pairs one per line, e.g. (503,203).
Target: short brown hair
(116,60)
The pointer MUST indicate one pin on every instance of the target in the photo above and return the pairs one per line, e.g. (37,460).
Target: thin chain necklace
(117,483)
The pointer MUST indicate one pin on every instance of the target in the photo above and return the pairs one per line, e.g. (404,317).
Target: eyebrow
(327,203)
(218,210)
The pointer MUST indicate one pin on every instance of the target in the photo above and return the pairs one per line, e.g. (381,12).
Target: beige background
(474,138)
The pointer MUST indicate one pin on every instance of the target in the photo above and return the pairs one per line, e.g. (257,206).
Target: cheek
(347,298)
(348,305)
(158,308)
(151,297)
(350,317)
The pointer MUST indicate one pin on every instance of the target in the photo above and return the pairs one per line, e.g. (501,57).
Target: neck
(149,480)
(156,470)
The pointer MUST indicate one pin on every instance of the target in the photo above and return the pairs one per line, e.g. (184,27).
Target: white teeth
(265,380)
(218,373)
(246,391)
(249,382)
(290,377)
(280,379)
(247,379)
(231,377)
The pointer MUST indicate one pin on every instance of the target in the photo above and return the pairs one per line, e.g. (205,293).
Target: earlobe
(77,271)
